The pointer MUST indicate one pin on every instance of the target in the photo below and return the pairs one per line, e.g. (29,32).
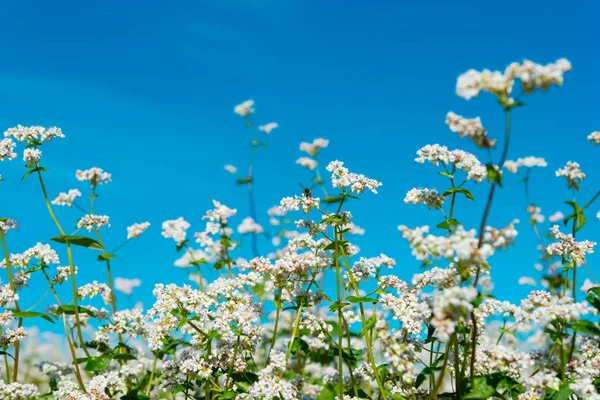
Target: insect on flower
(307,192)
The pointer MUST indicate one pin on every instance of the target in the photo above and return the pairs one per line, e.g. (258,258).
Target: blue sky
(146,91)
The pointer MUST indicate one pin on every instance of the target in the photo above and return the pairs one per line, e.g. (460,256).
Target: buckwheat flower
(307,162)
(94,289)
(43,252)
(434,153)
(32,156)
(12,336)
(268,128)
(7,295)
(7,223)
(535,76)
(429,197)
(231,169)
(221,213)
(557,216)
(340,177)
(66,199)
(62,275)
(511,166)
(592,137)
(7,147)
(18,391)
(315,147)
(501,238)
(134,231)
(290,204)
(95,175)
(567,247)
(469,84)
(573,174)
(244,109)
(30,133)
(468,163)
(470,128)
(175,229)
(527,280)
(450,307)
(248,225)
(126,286)
(92,221)
(535,214)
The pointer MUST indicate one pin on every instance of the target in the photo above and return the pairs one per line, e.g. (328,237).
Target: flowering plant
(272,327)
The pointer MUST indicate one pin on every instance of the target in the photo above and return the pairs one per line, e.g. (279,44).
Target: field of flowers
(313,319)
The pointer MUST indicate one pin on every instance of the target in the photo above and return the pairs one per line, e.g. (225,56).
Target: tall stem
(13,288)
(71,266)
(338,285)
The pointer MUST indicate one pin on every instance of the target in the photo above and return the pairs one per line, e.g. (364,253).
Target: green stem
(338,282)
(151,376)
(71,266)
(13,288)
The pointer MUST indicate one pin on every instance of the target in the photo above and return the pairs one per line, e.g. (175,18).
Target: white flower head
(32,156)
(307,162)
(268,128)
(315,147)
(95,175)
(231,169)
(7,147)
(135,230)
(66,199)
(175,229)
(248,225)
(594,137)
(244,109)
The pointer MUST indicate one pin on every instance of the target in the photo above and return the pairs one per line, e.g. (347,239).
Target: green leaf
(98,363)
(493,174)
(124,356)
(354,300)
(106,256)
(481,390)
(585,326)
(33,170)
(134,395)
(6,353)
(337,306)
(464,191)
(331,199)
(447,175)
(244,181)
(229,394)
(181,245)
(595,290)
(79,241)
(70,310)
(447,223)
(32,314)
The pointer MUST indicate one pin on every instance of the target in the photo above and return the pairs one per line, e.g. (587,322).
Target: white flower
(248,225)
(471,128)
(221,213)
(32,133)
(244,109)
(572,174)
(7,149)
(32,156)
(6,224)
(66,199)
(340,177)
(175,229)
(91,221)
(451,306)
(429,197)
(268,128)
(190,257)
(567,247)
(307,162)
(94,175)
(314,147)
(526,162)
(135,230)
(94,289)
(594,137)
(126,286)
(231,169)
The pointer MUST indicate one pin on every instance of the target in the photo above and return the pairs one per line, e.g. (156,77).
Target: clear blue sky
(146,91)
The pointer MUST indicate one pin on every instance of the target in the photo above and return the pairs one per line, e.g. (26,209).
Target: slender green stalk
(365,330)
(71,266)
(149,387)
(338,285)
(13,288)
(66,328)
(438,384)
(276,326)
